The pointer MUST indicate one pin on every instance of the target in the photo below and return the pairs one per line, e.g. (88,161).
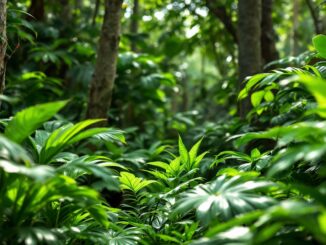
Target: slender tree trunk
(37,9)
(295,21)
(96,9)
(268,44)
(134,25)
(66,10)
(249,33)
(102,84)
(3,43)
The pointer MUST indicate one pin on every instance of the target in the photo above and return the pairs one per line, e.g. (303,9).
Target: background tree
(3,43)
(102,84)
(134,24)
(268,36)
(37,9)
(249,33)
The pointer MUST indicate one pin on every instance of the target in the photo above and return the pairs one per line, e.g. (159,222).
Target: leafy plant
(224,198)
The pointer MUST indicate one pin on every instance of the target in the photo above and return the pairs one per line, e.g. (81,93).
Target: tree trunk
(295,34)
(65,10)
(96,9)
(3,43)
(268,44)
(37,9)
(249,33)
(134,25)
(102,84)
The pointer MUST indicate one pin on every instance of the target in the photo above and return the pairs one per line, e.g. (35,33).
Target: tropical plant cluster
(161,171)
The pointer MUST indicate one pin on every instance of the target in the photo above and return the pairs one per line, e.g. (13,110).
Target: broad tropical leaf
(28,120)
(224,198)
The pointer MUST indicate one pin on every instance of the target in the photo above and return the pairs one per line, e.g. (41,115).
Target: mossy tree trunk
(102,84)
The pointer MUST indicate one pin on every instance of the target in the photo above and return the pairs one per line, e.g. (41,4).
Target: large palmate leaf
(28,120)
(126,236)
(225,197)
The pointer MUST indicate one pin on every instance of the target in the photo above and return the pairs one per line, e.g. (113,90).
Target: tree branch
(220,13)
(314,15)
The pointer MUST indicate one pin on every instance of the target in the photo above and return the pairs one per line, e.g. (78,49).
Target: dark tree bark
(66,11)
(102,84)
(268,44)
(249,33)
(3,43)
(134,25)
(221,13)
(37,9)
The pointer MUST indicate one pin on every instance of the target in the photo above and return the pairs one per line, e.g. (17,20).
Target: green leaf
(28,120)
(175,166)
(257,97)
(255,154)
(322,222)
(252,82)
(133,183)
(194,151)
(225,197)
(68,135)
(242,219)
(317,87)
(38,173)
(319,42)
(269,96)
(184,155)
(11,151)
(163,165)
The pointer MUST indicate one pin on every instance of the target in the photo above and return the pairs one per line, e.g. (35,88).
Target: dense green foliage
(181,170)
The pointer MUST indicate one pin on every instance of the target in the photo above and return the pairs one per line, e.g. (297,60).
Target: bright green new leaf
(133,183)
(28,120)
(317,87)
(194,151)
(319,42)
(269,96)
(184,155)
(257,97)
